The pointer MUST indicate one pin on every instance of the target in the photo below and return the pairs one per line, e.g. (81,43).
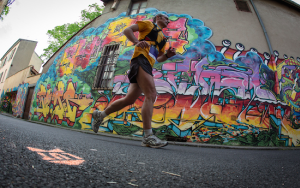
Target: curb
(190,144)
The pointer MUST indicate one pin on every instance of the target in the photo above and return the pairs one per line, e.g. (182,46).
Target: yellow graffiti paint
(71,113)
(44,108)
(294,134)
(85,120)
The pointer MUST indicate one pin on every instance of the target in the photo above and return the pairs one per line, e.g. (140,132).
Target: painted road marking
(58,156)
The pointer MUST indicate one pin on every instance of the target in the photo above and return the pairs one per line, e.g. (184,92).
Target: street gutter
(191,144)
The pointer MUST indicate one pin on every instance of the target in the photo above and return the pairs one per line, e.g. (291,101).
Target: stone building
(18,73)
(234,80)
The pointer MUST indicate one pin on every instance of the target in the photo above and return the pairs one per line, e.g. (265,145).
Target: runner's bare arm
(128,32)
(163,57)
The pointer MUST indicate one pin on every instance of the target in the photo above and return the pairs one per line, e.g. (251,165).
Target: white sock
(103,114)
(147,132)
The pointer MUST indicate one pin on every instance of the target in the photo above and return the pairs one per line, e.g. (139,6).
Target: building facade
(18,74)
(234,80)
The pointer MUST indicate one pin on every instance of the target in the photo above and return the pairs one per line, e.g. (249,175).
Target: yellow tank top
(145,28)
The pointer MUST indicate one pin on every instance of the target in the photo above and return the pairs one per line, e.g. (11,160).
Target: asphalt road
(35,155)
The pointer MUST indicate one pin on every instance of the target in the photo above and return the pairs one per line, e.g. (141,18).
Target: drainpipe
(277,91)
(263,27)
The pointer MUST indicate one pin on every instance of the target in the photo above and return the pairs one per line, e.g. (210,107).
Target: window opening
(106,67)
(4,76)
(138,7)
(12,54)
(4,61)
(242,5)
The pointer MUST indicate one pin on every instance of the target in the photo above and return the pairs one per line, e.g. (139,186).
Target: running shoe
(153,142)
(97,120)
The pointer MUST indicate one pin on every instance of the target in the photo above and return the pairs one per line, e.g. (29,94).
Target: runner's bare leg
(133,93)
(147,86)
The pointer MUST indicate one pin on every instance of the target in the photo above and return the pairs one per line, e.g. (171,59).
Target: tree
(4,12)
(62,33)
(6,8)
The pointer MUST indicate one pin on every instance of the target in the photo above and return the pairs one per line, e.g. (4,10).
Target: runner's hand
(171,52)
(142,44)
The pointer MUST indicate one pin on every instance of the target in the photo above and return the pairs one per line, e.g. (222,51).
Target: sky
(31,19)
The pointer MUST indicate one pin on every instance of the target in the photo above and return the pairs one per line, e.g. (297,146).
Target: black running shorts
(134,67)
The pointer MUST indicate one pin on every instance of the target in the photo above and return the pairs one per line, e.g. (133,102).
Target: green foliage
(248,140)
(125,130)
(5,103)
(269,139)
(264,138)
(4,12)
(93,12)
(164,131)
(62,33)
(215,140)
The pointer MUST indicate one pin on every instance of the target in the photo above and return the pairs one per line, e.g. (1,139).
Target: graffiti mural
(8,101)
(206,93)
(18,107)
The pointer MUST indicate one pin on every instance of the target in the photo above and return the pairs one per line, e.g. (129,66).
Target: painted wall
(221,16)
(225,94)
(229,22)
(8,100)
(18,106)
(13,100)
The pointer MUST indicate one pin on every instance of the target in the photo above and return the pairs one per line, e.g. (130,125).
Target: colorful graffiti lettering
(206,93)
(61,104)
